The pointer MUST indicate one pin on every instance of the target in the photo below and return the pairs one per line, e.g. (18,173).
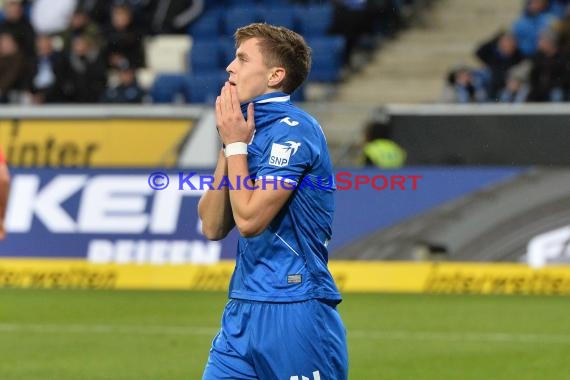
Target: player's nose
(230,69)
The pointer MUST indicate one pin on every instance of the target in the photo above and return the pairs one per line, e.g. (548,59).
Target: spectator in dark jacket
(81,23)
(124,39)
(83,75)
(128,89)
(499,55)
(48,63)
(15,69)
(550,73)
(19,26)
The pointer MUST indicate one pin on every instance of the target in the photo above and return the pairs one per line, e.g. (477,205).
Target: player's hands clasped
(231,124)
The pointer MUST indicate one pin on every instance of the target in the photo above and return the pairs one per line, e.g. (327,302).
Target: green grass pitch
(138,335)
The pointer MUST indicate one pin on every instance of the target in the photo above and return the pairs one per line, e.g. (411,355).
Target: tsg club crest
(281,153)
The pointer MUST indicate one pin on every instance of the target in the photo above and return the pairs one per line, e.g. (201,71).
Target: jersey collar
(272,97)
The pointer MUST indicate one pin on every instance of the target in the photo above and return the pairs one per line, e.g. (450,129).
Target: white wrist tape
(235,148)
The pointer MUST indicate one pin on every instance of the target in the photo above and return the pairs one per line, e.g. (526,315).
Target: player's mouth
(231,83)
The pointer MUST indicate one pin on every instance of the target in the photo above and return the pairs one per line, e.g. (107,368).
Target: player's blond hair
(280,47)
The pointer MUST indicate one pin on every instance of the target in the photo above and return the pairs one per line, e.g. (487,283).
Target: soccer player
(281,321)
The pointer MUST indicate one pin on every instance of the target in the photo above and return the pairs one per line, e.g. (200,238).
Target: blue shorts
(281,341)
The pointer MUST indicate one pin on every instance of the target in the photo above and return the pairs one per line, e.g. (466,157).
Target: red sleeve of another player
(2,157)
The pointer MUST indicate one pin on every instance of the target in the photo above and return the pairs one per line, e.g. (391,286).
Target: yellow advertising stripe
(42,273)
(456,278)
(351,276)
(94,143)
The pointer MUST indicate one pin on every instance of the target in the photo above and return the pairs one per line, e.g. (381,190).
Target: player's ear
(276,77)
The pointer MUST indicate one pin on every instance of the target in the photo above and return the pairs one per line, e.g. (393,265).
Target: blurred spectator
(517,88)
(18,25)
(51,17)
(559,7)
(81,24)
(173,16)
(361,21)
(550,74)
(388,15)
(15,70)
(128,89)
(464,85)
(124,40)
(499,54)
(379,150)
(83,76)
(99,11)
(353,20)
(48,64)
(562,29)
(535,19)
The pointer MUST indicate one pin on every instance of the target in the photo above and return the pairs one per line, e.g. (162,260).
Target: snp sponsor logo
(85,207)
(281,153)
(316,376)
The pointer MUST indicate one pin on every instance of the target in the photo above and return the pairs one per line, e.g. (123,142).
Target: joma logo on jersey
(316,376)
(287,120)
(281,153)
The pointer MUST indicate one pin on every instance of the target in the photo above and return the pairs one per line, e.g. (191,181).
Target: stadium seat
(239,16)
(278,15)
(205,87)
(244,3)
(205,57)
(327,58)
(314,20)
(168,88)
(228,51)
(208,25)
(278,3)
(167,53)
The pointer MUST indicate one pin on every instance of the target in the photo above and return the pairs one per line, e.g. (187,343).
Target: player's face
(248,71)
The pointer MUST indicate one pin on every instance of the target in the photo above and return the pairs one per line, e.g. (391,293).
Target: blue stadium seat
(278,15)
(167,88)
(204,88)
(239,16)
(205,56)
(279,3)
(228,51)
(314,20)
(208,25)
(327,58)
(237,3)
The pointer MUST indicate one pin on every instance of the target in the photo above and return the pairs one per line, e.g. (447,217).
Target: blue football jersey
(288,261)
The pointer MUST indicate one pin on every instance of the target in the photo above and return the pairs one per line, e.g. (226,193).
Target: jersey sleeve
(288,155)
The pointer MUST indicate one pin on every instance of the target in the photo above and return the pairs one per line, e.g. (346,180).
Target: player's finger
(235,100)
(226,99)
(218,108)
